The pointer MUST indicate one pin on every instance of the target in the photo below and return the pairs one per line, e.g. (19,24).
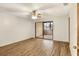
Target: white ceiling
(23,9)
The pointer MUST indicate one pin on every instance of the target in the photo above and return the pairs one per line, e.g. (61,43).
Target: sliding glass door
(44,30)
(48,30)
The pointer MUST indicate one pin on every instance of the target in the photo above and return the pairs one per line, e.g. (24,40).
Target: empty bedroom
(38,29)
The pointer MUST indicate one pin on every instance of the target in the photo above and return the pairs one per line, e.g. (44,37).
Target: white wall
(60,32)
(73,28)
(13,29)
(61,29)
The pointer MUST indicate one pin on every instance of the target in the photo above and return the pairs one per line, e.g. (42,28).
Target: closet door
(39,29)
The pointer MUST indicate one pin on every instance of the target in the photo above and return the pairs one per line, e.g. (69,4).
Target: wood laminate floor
(36,47)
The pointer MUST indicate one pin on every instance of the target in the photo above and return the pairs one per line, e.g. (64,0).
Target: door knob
(76,47)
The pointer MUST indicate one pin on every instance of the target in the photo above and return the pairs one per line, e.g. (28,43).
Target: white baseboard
(7,43)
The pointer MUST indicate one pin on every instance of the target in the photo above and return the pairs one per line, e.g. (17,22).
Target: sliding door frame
(42,28)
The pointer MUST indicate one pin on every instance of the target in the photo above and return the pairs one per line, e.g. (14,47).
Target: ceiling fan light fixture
(39,15)
(34,17)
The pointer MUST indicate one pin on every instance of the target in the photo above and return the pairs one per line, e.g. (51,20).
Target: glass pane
(51,25)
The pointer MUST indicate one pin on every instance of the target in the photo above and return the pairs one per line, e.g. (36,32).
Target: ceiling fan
(39,12)
(36,14)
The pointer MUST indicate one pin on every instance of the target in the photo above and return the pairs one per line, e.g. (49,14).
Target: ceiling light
(34,15)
